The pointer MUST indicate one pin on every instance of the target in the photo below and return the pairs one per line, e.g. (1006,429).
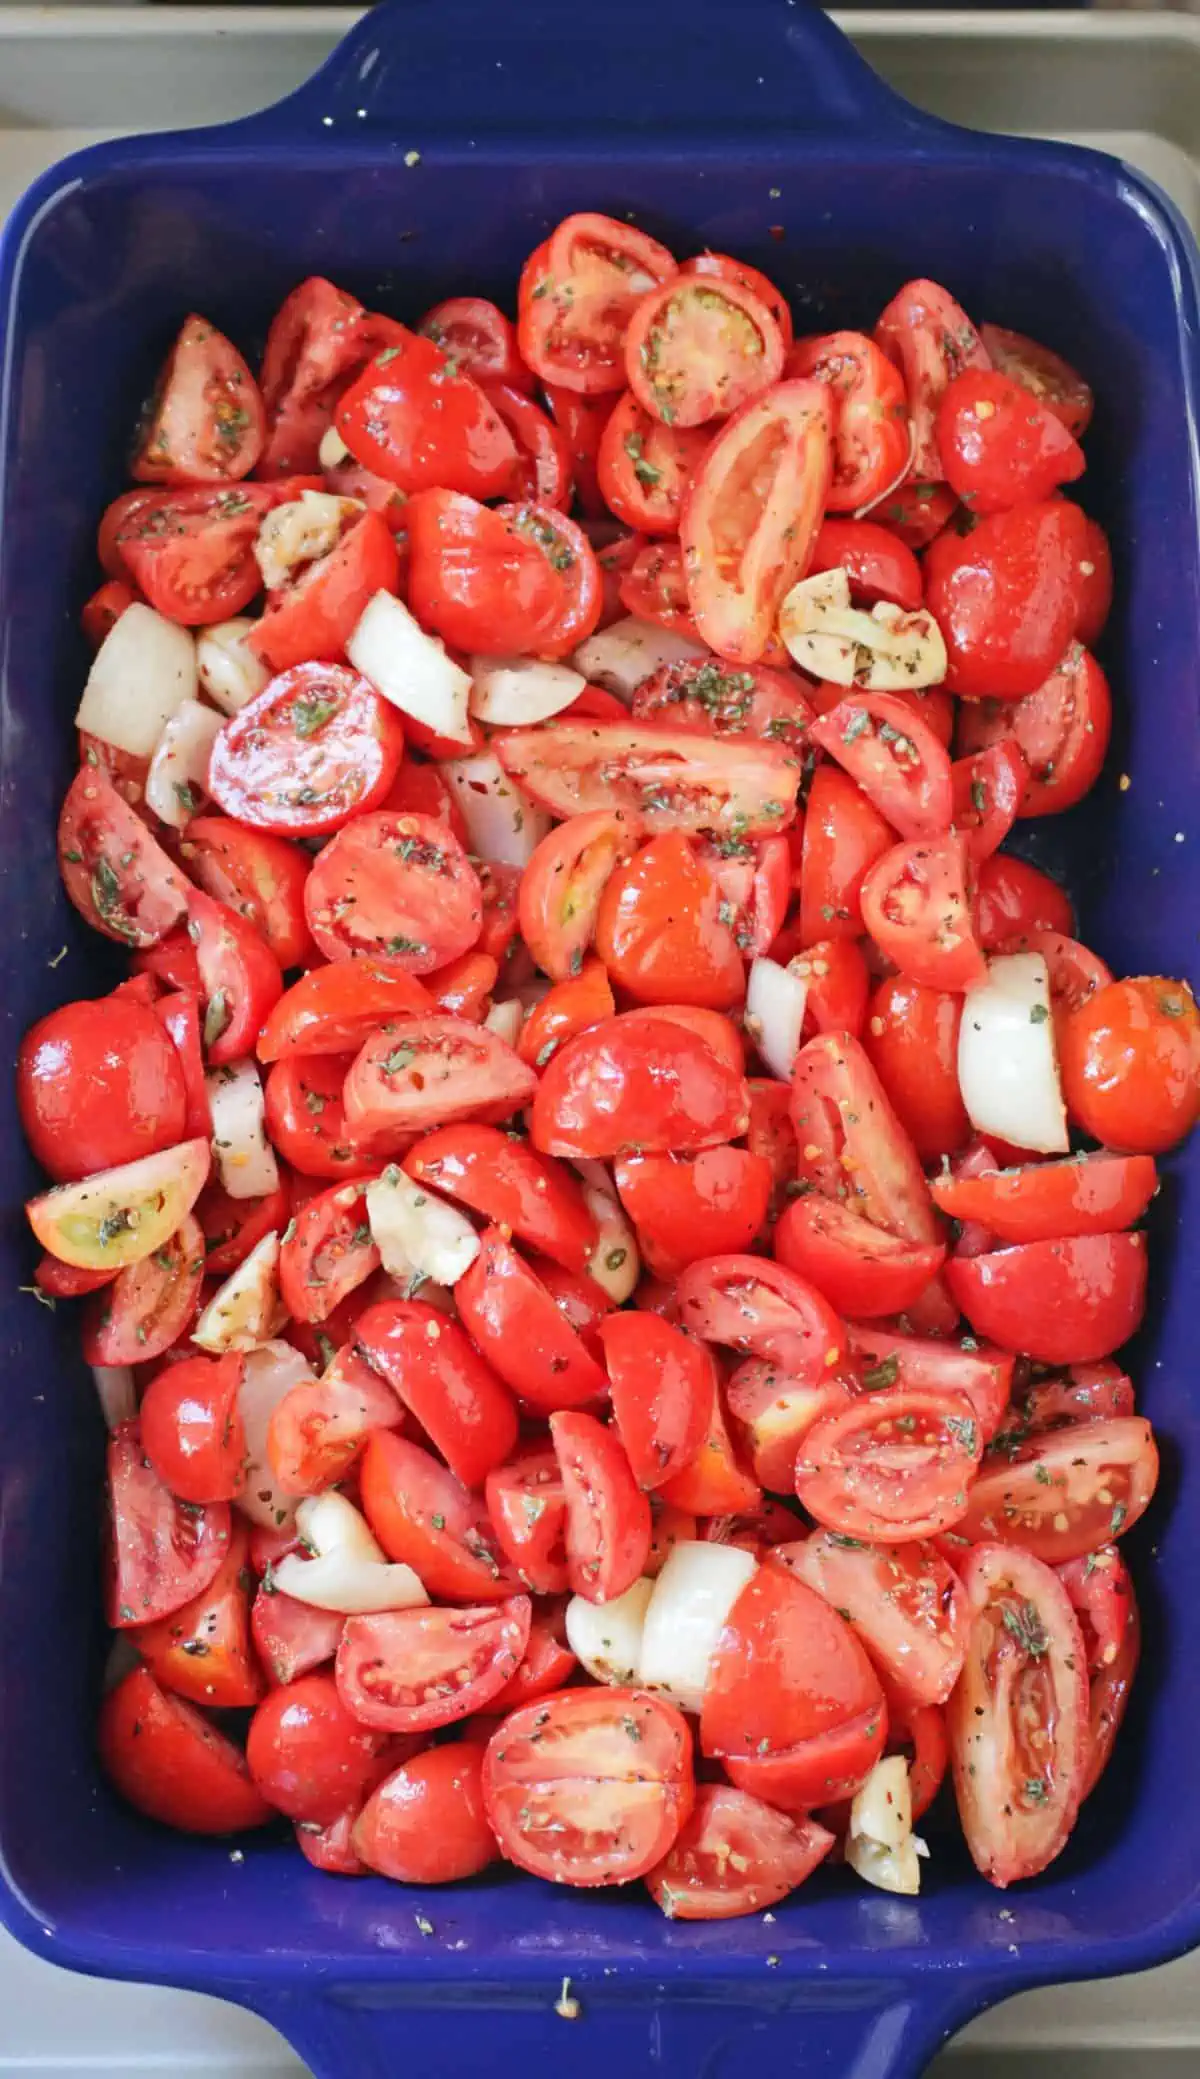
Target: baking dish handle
(446,70)
(847,2031)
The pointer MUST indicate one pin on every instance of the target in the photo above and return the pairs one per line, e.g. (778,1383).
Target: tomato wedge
(589,1786)
(904,1602)
(685,1207)
(562,885)
(1018,1720)
(1082,1194)
(644,467)
(423,1515)
(893,1467)
(577,294)
(861,1270)
(328,1253)
(987,789)
(663,779)
(169,1762)
(527,1504)
(415,418)
(735,1855)
(121,881)
(396,888)
(433,1071)
(893,757)
(239,975)
(1062,730)
(1062,1302)
(752,514)
(870,436)
(163,1551)
(1043,373)
(1066,1491)
(917,905)
(332,1010)
(205,423)
(512,1317)
(699,350)
(149,1305)
(662,1394)
(980,1372)
(843,837)
(203,1651)
(413,1671)
(763,1309)
(641,1080)
(455,1396)
(931,340)
(319,1428)
(511,1184)
(506,581)
(850,1143)
(311,616)
(608,1516)
(257,873)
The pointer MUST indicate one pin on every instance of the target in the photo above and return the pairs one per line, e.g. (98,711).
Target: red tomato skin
(861,1271)
(839,1110)
(326,1255)
(1130,1060)
(844,835)
(237,968)
(871,437)
(528,1508)
(310,1759)
(608,1516)
(1059,1302)
(917,1652)
(232,1227)
(333,1009)
(1096,584)
(413,419)
(911,1040)
(704,1878)
(167,1761)
(931,340)
(203,1650)
(457,1071)
(716,1483)
(582,421)
(320,1426)
(482,578)
(1014,898)
(513,1320)
(257,873)
(191,1430)
(480,338)
(917,512)
(1062,731)
(455,1396)
(878,565)
(982,1374)
(999,445)
(103,610)
(659,930)
(426,1822)
(1035,1495)
(684,1207)
(786,1670)
(66,1280)
(311,618)
(347,761)
(570,327)
(510,1184)
(865,733)
(764,1309)
(97,827)
(549,1662)
(1043,373)
(306,1121)
(1007,597)
(1043,1201)
(637,1079)
(99,1084)
(381,880)
(662,1391)
(149,1306)
(918,906)
(542,470)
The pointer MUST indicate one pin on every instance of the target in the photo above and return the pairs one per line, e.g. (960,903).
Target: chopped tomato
(511,1316)
(203,1650)
(917,904)
(662,1392)
(205,423)
(1083,1194)
(931,340)
(1007,597)
(307,1124)
(163,1550)
(191,1428)
(308,1756)
(426,1823)
(527,1503)
(257,873)
(150,1304)
(190,552)
(645,467)
(394,888)
(892,1467)
(316,746)
(1000,445)
(327,1253)
(844,835)
(697,350)
(1040,370)
(762,1309)
(562,885)
(577,294)
(904,1602)
(318,1429)
(415,418)
(1062,731)
(1062,1302)
(685,1207)
(703,693)
(454,1394)
(239,976)
(661,929)
(1063,1492)
(511,1184)
(608,1516)
(413,1671)
(543,466)
(332,1010)
(508,581)
(169,1762)
(891,755)
(877,563)
(911,1041)
(425,1517)
(319,338)
(870,437)
(637,1081)
(1015,898)
(979,1371)
(433,1071)
(860,1269)
(666,779)
(1131,1064)
(478,337)
(735,1855)
(121,882)
(98,1084)
(311,617)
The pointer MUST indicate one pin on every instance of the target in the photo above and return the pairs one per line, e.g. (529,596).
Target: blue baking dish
(755,128)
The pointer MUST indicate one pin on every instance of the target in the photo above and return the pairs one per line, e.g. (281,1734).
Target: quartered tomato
(511,1184)
(1102,1597)
(328,1252)
(850,1143)
(1064,1492)
(99,1083)
(892,1467)
(396,888)
(549,1662)
(417,1072)
(169,1762)
(697,350)
(239,975)
(456,1397)
(425,1823)
(717,1484)
(1062,731)
(1007,597)
(904,1602)
(413,1671)
(1040,370)
(979,1371)
(664,779)
(870,439)
(896,761)
(1131,1064)
(1063,1302)
(735,1855)
(931,340)
(508,581)
(478,337)
(911,1041)
(645,467)
(792,1703)
(654,588)
(543,466)
(720,700)
(527,1503)
(205,423)
(1016,899)
(1000,445)
(917,904)
(315,747)
(307,1125)
(313,614)
(422,1515)
(762,1309)
(1018,1720)
(608,1516)
(318,339)
(877,563)
(292,1638)
(562,885)
(1083,1194)
(590,1786)
(753,512)
(684,1207)
(121,881)
(860,1269)
(415,418)
(507,1310)
(163,1549)
(257,873)
(843,837)
(577,294)
(661,929)
(320,1426)
(190,552)
(332,1010)
(150,1304)
(639,1080)
(662,1386)
(203,1651)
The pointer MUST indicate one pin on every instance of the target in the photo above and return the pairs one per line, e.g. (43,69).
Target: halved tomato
(542,470)
(333,1009)
(723,267)
(918,905)
(664,932)
(1018,1720)
(735,1855)
(931,340)
(706,694)
(1007,597)
(664,779)
(1093,1193)
(699,350)
(1001,446)
(394,888)
(1062,728)
(645,467)
(415,418)
(562,885)
(1064,1301)
(315,747)
(764,1310)
(424,1516)
(870,437)
(983,1374)
(1043,373)
(904,1602)
(684,1207)
(577,293)
(641,1081)
(608,1516)
(752,514)
(307,1126)
(1103,1600)
(121,881)
(203,1650)
(512,1317)
(418,1072)
(590,1786)
(477,336)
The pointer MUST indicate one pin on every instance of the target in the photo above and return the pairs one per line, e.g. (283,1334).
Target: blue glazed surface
(710,135)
